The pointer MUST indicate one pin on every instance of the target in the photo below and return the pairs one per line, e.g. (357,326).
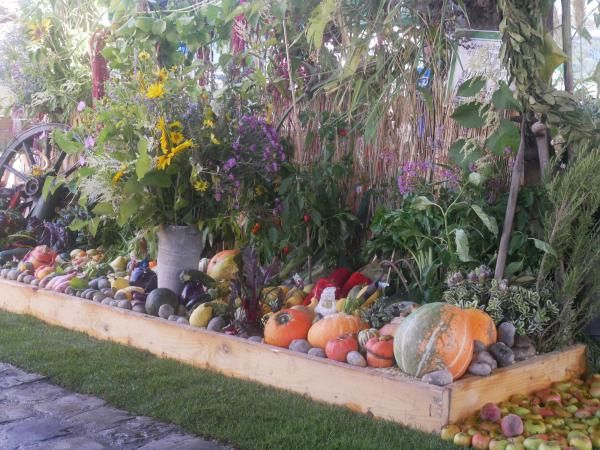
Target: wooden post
(515,182)
(567,44)
(539,130)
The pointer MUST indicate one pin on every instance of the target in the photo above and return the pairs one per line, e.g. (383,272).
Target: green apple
(556,421)
(498,444)
(472,431)
(521,411)
(550,445)
(533,443)
(572,408)
(595,390)
(462,440)
(515,446)
(579,440)
(449,431)
(591,421)
(562,386)
(534,426)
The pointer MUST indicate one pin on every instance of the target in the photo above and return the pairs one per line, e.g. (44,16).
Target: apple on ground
(550,445)
(498,444)
(449,431)
(533,443)
(579,440)
(480,441)
(462,440)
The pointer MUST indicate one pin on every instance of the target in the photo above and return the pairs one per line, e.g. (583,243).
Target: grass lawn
(245,414)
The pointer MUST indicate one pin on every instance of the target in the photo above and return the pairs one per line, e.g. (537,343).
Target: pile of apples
(563,416)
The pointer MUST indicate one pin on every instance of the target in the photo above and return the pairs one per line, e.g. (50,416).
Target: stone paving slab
(37,415)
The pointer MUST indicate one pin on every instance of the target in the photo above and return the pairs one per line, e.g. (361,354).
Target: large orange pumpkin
(332,327)
(434,335)
(482,326)
(286,325)
(222,266)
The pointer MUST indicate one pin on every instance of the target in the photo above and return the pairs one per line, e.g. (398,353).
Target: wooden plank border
(412,403)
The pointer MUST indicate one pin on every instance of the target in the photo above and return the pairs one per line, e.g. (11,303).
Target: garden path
(37,415)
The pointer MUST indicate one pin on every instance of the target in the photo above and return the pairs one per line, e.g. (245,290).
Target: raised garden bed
(384,394)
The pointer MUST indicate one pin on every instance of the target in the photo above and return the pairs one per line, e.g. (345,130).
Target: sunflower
(117,177)
(164,161)
(176,137)
(144,56)
(162,75)
(155,90)
(39,30)
(201,186)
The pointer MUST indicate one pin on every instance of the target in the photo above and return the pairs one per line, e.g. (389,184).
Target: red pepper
(356,279)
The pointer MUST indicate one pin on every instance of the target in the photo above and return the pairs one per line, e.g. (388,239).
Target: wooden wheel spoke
(59,162)
(15,172)
(29,153)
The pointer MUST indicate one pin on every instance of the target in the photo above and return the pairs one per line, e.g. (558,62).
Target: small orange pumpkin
(482,326)
(338,348)
(286,325)
(333,326)
(380,351)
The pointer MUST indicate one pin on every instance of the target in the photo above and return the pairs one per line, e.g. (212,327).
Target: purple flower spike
(80,106)
(89,142)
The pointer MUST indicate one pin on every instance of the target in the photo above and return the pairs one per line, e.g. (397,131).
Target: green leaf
(128,208)
(319,19)
(489,221)
(470,115)
(144,162)
(462,245)
(78,284)
(66,143)
(316,217)
(48,182)
(553,57)
(103,209)
(144,23)
(507,135)
(159,27)
(458,156)
(503,98)
(544,246)
(471,87)
(157,178)
(513,268)
(421,203)
(78,224)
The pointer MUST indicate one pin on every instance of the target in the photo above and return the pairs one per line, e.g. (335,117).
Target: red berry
(256,228)
(342,132)
(285,250)
(307,218)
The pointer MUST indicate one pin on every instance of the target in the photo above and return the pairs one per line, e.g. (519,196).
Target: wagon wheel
(28,159)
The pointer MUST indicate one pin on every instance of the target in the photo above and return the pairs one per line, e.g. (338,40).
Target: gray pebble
(183,320)
(521,354)
(165,311)
(103,283)
(319,352)
(255,339)
(98,297)
(139,307)
(173,317)
(125,304)
(115,303)
(35,282)
(502,353)
(356,359)
(216,324)
(480,369)
(441,377)
(487,358)
(181,311)
(300,346)
(506,333)
(478,346)
(107,301)
(522,341)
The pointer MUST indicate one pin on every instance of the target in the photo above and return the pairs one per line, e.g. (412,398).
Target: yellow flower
(176,137)
(181,147)
(39,30)
(214,139)
(162,75)
(259,190)
(117,177)
(144,56)
(37,171)
(164,161)
(208,123)
(156,90)
(201,186)
(176,126)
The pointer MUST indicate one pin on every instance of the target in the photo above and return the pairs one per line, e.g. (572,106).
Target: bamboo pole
(567,44)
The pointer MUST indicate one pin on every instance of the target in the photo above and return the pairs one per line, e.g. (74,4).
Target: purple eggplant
(142,276)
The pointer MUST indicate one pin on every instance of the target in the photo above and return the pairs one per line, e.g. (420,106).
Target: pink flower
(80,106)
(89,142)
